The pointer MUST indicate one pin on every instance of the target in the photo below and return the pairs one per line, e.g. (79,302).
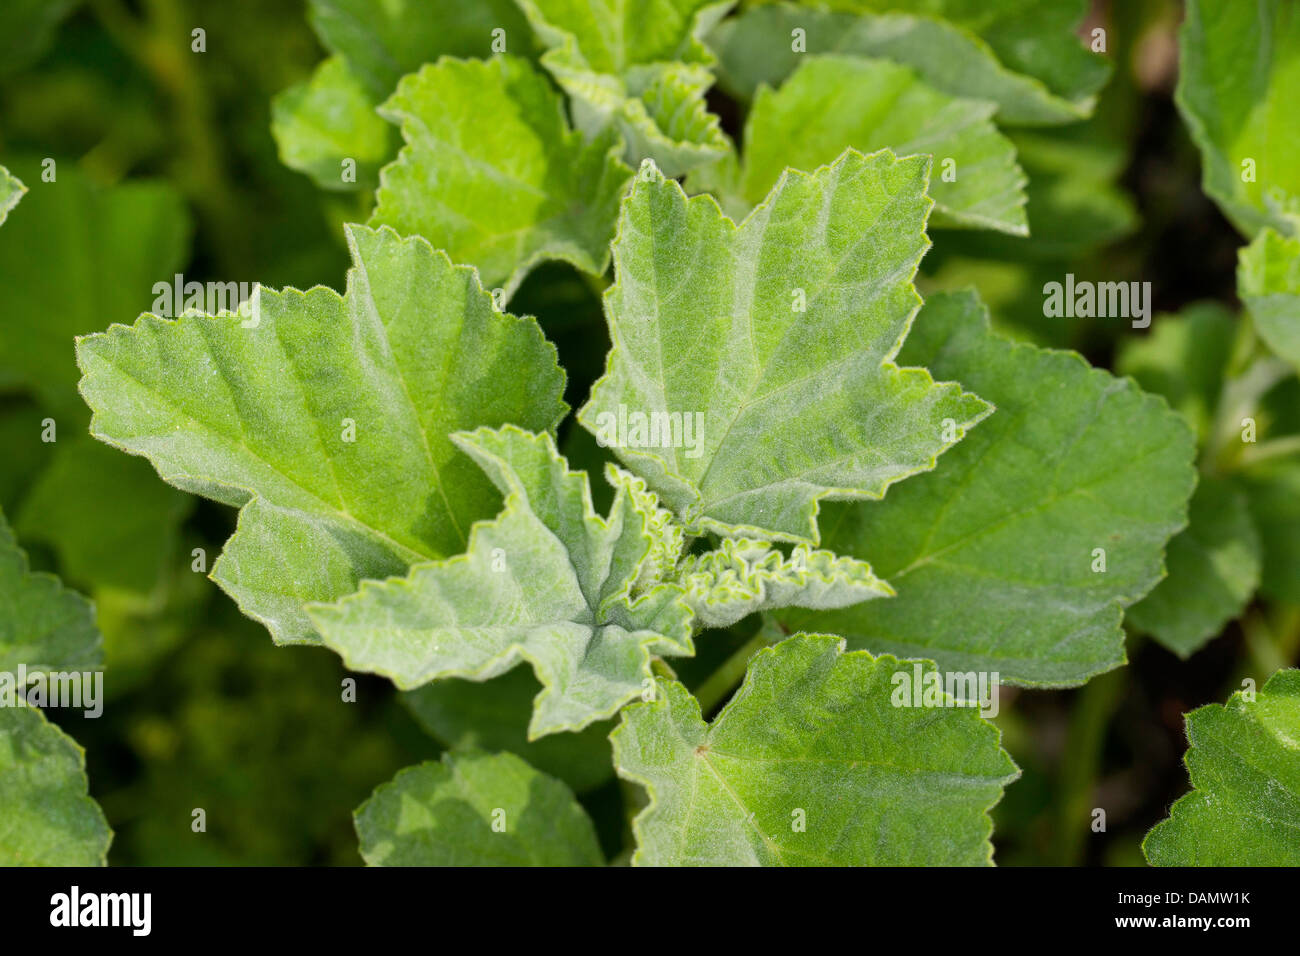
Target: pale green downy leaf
(639,67)
(1268,281)
(46,816)
(475,809)
(1244,762)
(759,47)
(11,190)
(492,174)
(331,117)
(548,581)
(742,576)
(1238,83)
(813,763)
(746,383)
(1020,552)
(326,419)
(328,120)
(835,101)
(1213,570)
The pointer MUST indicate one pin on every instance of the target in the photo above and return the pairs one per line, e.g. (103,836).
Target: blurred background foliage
(171,167)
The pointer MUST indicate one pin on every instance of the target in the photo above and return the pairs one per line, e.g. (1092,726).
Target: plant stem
(719,685)
(1081,760)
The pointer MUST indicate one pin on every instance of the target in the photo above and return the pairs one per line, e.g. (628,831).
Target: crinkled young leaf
(1238,83)
(43,625)
(835,101)
(128,545)
(47,817)
(492,173)
(326,419)
(548,581)
(475,809)
(993,553)
(1213,571)
(638,66)
(774,342)
(810,764)
(1244,763)
(331,118)
(383,40)
(1268,281)
(77,257)
(742,576)
(757,47)
(494,716)
(11,190)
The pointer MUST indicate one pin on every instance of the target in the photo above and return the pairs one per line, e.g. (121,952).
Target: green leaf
(1268,281)
(75,258)
(548,581)
(638,66)
(326,419)
(492,173)
(126,545)
(769,409)
(742,576)
(1244,763)
(475,809)
(1214,568)
(811,763)
(834,101)
(1238,82)
(1183,359)
(757,47)
(993,553)
(383,40)
(43,626)
(11,190)
(321,124)
(46,815)
(494,716)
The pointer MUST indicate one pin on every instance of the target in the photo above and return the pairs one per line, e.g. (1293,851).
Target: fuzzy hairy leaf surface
(73,258)
(835,101)
(811,764)
(638,66)
(46,815)
(492,173)
(1244,762)
(1238,83)
(756,48)
(1268,281)
(475,809)
(11,190)
(43,625)
(548,581)
(992,554)
(1213,570)
(326,418)
(775,340)
(741,577)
